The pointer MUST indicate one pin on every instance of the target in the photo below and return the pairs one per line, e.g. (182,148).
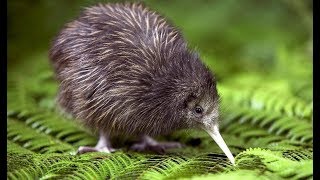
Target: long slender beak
(213,131)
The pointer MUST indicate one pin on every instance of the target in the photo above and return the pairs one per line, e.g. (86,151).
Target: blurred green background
(224,31)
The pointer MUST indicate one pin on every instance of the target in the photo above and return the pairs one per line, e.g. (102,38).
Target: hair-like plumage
(124,68)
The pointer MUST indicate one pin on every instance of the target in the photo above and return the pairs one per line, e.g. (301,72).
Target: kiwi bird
(124,69)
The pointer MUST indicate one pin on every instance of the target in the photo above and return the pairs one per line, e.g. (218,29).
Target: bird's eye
(198,109)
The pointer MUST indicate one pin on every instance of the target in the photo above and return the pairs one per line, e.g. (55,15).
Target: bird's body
(123,69)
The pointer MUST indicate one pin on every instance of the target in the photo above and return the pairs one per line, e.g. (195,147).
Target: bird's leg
(103,145)
(149,144)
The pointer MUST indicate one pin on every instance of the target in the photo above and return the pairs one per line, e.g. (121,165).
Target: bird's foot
(103,145)
(86,149)
(149,144)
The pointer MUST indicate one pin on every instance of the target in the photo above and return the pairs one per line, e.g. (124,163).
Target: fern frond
(101,167)
(276,163)
(267,98)
(243,173)
(275,123)
(57,126)
(174,166)
(34,141)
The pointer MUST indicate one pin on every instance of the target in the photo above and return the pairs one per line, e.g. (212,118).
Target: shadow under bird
(125,70)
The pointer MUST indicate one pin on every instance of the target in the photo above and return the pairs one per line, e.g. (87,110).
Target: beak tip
(214,133)
(233,161)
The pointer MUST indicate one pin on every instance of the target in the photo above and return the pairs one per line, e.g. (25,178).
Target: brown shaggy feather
(125,69)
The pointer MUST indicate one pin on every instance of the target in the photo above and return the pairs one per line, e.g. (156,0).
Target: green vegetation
(261,53)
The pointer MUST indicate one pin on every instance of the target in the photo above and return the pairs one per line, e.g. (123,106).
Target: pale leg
(103,145)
